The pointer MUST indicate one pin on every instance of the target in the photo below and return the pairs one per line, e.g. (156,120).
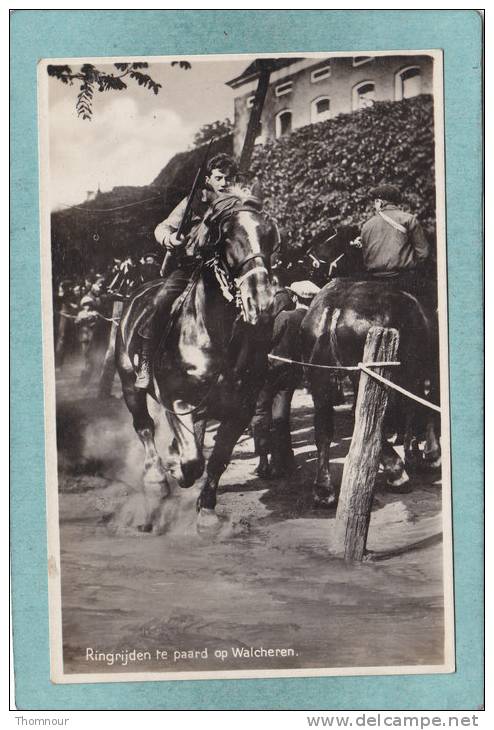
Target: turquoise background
(37,34)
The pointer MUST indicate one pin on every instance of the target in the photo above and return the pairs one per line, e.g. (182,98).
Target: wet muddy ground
(266,581)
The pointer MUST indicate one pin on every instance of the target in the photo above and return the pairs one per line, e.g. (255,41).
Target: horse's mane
(237,197)
(243,193)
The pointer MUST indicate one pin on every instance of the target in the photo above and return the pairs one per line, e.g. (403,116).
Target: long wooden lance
(195,187)
(200,174)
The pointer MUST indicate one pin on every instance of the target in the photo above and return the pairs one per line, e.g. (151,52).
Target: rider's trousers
(272,415)
(159,307)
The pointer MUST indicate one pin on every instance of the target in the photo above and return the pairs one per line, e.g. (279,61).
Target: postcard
(245,339)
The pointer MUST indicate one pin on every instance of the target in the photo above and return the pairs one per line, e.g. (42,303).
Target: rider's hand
(357,242)
(172,242)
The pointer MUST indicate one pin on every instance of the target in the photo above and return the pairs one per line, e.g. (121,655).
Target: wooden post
(362,462)
(255,114)
(108,371)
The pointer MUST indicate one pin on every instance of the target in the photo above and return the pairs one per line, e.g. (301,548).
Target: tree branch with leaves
(93,79)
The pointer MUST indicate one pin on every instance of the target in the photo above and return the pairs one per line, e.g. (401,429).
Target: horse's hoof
(324,500)
(207,520)
(191,471)
(148,527)
(263,471)
(134,517)
(400,485)
(432,462)
(155,479)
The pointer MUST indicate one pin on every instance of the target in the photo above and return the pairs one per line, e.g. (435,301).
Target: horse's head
(246,240)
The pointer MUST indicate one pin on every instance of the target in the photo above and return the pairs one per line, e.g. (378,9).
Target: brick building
(309,90)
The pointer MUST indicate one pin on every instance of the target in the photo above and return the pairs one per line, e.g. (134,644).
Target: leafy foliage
(321,174)
(182,64)
(215,129)
(92,78)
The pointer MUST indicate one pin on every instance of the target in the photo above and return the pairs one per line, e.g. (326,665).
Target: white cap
(87,300)
(305,289)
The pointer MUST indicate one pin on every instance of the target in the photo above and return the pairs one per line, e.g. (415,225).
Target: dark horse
(334,333)
(331,253)
(210,363)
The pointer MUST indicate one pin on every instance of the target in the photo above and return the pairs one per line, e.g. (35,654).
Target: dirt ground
(267,579)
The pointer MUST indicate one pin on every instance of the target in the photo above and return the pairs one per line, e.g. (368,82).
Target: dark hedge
(320,174)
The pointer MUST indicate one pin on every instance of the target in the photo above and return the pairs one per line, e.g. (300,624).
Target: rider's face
(218,181)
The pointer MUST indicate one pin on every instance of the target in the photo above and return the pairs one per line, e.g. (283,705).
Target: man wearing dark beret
(393,242)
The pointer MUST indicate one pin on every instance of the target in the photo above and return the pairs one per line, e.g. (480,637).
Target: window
(363,95)
(283,123)
(408,83)
(250,101)
(359,60)
(320,109)
(320,73)
(283,89)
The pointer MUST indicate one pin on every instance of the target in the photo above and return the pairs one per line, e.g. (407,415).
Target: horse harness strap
(255,270)
(238,281)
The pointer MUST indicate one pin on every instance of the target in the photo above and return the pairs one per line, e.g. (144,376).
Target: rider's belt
(391,274)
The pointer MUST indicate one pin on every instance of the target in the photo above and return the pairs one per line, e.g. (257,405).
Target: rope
(68,316)
(364,367)
(108,319)
(401,390)
(72,316)
(110,210)
(331,367)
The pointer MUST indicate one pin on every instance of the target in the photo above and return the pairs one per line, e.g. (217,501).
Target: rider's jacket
(393,242)
(286,342)
(194,234)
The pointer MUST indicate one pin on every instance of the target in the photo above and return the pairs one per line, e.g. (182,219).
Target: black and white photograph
(246,365)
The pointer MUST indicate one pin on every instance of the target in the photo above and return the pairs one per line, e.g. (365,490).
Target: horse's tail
(422,351)
(333,338)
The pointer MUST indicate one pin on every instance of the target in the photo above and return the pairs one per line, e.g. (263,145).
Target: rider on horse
(182,255)
(394,247)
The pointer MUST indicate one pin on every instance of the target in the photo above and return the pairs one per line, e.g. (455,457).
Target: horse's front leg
(261,430)
(227,436)
(188,439)
(397,478)
(432,448)
(142,512)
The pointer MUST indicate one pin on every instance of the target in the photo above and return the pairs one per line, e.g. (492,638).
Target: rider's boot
(143,380)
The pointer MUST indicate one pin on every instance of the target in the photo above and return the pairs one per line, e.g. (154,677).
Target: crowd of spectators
(322,173)
(86,301)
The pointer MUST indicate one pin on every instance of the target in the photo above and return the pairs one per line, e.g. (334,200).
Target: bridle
(239,280)
(231,281)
